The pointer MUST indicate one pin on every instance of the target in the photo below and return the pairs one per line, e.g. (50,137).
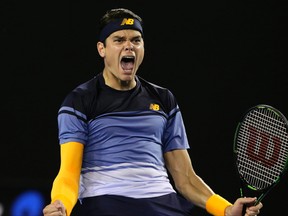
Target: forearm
(205,198)
(66,184)
(65,189)
(191,186)
(195,190)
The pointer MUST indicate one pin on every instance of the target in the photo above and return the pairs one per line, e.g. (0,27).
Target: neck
(118,84)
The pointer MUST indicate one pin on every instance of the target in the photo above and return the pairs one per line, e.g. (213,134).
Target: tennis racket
(261,150)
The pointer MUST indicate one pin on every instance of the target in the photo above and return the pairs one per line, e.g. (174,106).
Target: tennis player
(121,135)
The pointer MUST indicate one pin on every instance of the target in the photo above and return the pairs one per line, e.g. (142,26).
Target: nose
(129,46)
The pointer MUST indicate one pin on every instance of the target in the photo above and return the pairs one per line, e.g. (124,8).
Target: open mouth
(127,63)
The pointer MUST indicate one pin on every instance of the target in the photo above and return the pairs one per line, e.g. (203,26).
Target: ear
(101,49)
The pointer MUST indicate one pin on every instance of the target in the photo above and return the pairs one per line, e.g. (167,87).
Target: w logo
(262,147)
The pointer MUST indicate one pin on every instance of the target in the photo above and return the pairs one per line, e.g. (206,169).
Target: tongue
(127,65)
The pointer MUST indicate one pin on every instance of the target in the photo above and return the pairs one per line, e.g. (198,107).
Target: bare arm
(187,182)
(194,189)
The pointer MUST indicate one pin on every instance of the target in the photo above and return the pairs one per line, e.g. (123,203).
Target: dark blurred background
(218,57)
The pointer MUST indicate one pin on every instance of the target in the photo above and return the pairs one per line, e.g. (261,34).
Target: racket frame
(243,182)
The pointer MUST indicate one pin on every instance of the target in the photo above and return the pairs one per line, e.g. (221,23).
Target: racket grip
(245,206)
(244,210)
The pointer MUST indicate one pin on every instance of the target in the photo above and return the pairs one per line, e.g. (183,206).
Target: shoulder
(157,88)
(83,92)
(164,94)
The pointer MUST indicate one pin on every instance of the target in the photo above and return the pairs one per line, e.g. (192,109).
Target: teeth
(128,57)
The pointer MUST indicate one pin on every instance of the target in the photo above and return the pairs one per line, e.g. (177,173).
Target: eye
(119,40)
(137,40)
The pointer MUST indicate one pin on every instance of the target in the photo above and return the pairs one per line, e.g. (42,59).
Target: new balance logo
(154,107)
(126,21)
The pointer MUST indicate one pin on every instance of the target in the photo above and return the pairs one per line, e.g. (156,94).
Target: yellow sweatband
(216,205)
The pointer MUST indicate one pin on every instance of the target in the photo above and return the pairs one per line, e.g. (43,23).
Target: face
(123,54)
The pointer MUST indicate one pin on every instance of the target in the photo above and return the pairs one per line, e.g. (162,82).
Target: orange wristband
(216,205)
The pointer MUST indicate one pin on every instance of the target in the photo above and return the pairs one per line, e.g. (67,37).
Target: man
(121,135)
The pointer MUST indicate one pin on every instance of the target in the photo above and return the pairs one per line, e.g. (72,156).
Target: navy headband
(120,24)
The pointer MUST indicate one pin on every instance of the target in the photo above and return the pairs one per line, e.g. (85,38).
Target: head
(121,46)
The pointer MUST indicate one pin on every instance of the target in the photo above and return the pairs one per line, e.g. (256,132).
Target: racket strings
(262,147)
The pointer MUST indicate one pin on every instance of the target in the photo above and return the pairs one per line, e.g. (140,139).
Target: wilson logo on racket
(262,147)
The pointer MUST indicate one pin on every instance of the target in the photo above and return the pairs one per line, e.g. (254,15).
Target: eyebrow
(123,37)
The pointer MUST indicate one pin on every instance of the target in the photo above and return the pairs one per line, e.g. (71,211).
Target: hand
(56,209)
(237,208)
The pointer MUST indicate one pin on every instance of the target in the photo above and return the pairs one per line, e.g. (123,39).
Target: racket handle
(244,210)
(245,206)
